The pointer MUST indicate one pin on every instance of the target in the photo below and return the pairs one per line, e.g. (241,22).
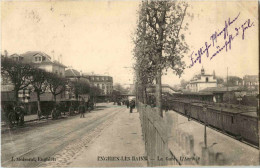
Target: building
(73,75)
(251,82)
(202,81)
(39,60)
(42,61)
(105,83)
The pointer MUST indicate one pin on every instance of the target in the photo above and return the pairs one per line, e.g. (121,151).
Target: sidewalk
(119,145)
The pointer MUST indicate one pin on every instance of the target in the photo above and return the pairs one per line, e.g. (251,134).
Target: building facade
(202,81)
(105,83)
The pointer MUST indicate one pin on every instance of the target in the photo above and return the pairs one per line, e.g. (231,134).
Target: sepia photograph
(129,83)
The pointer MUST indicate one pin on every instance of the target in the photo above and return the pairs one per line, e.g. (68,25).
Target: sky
(96,36)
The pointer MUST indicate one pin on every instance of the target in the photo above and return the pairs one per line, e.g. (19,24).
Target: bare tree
(39,84)
(56,84)
(19,74)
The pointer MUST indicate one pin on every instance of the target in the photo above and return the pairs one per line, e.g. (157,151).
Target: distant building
(202,81)
(251,82)
(105,83)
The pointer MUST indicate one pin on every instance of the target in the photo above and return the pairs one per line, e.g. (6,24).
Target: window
(36,59)
(207,79)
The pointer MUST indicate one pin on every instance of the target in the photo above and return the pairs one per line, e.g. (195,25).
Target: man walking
(127,103)
(132,105)
(82,110)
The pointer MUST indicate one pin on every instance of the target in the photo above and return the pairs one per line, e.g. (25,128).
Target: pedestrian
(127,103)
(82,110)
(132,105)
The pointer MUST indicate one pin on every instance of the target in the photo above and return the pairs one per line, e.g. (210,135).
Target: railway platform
(187,136)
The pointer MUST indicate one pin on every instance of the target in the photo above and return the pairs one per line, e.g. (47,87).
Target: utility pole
(227,88)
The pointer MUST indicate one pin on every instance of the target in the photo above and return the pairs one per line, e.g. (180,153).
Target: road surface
(29,147)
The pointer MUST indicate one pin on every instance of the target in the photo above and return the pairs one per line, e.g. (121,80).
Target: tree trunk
(54,98)
(16,94)
(159,93)
(39,106)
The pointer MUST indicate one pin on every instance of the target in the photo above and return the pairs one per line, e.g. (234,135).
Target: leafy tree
(19,74)
(159,42)
(56,84)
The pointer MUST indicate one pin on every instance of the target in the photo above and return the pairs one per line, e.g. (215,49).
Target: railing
(167,144)
(155,137)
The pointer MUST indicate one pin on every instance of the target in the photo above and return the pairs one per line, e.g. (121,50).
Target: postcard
(136,83)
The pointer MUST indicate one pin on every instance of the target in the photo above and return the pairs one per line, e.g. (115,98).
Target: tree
(39,84)
(184,83)
(233,81)
(120,88)
(220,80)
(19,74)
(56,84)
(94,92)
(80,88)
(159,42)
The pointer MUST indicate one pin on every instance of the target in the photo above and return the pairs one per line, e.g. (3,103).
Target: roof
(28,58)
(97,75)
(221,89)
(71,72)
(196,93)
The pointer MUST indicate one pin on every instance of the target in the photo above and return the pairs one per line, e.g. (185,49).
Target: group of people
(14,114)
(129,104)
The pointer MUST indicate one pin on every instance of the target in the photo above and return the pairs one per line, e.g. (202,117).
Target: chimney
(61,58)
(53,57)
(6,53)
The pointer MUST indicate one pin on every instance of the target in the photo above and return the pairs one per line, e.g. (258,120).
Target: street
(29,147)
